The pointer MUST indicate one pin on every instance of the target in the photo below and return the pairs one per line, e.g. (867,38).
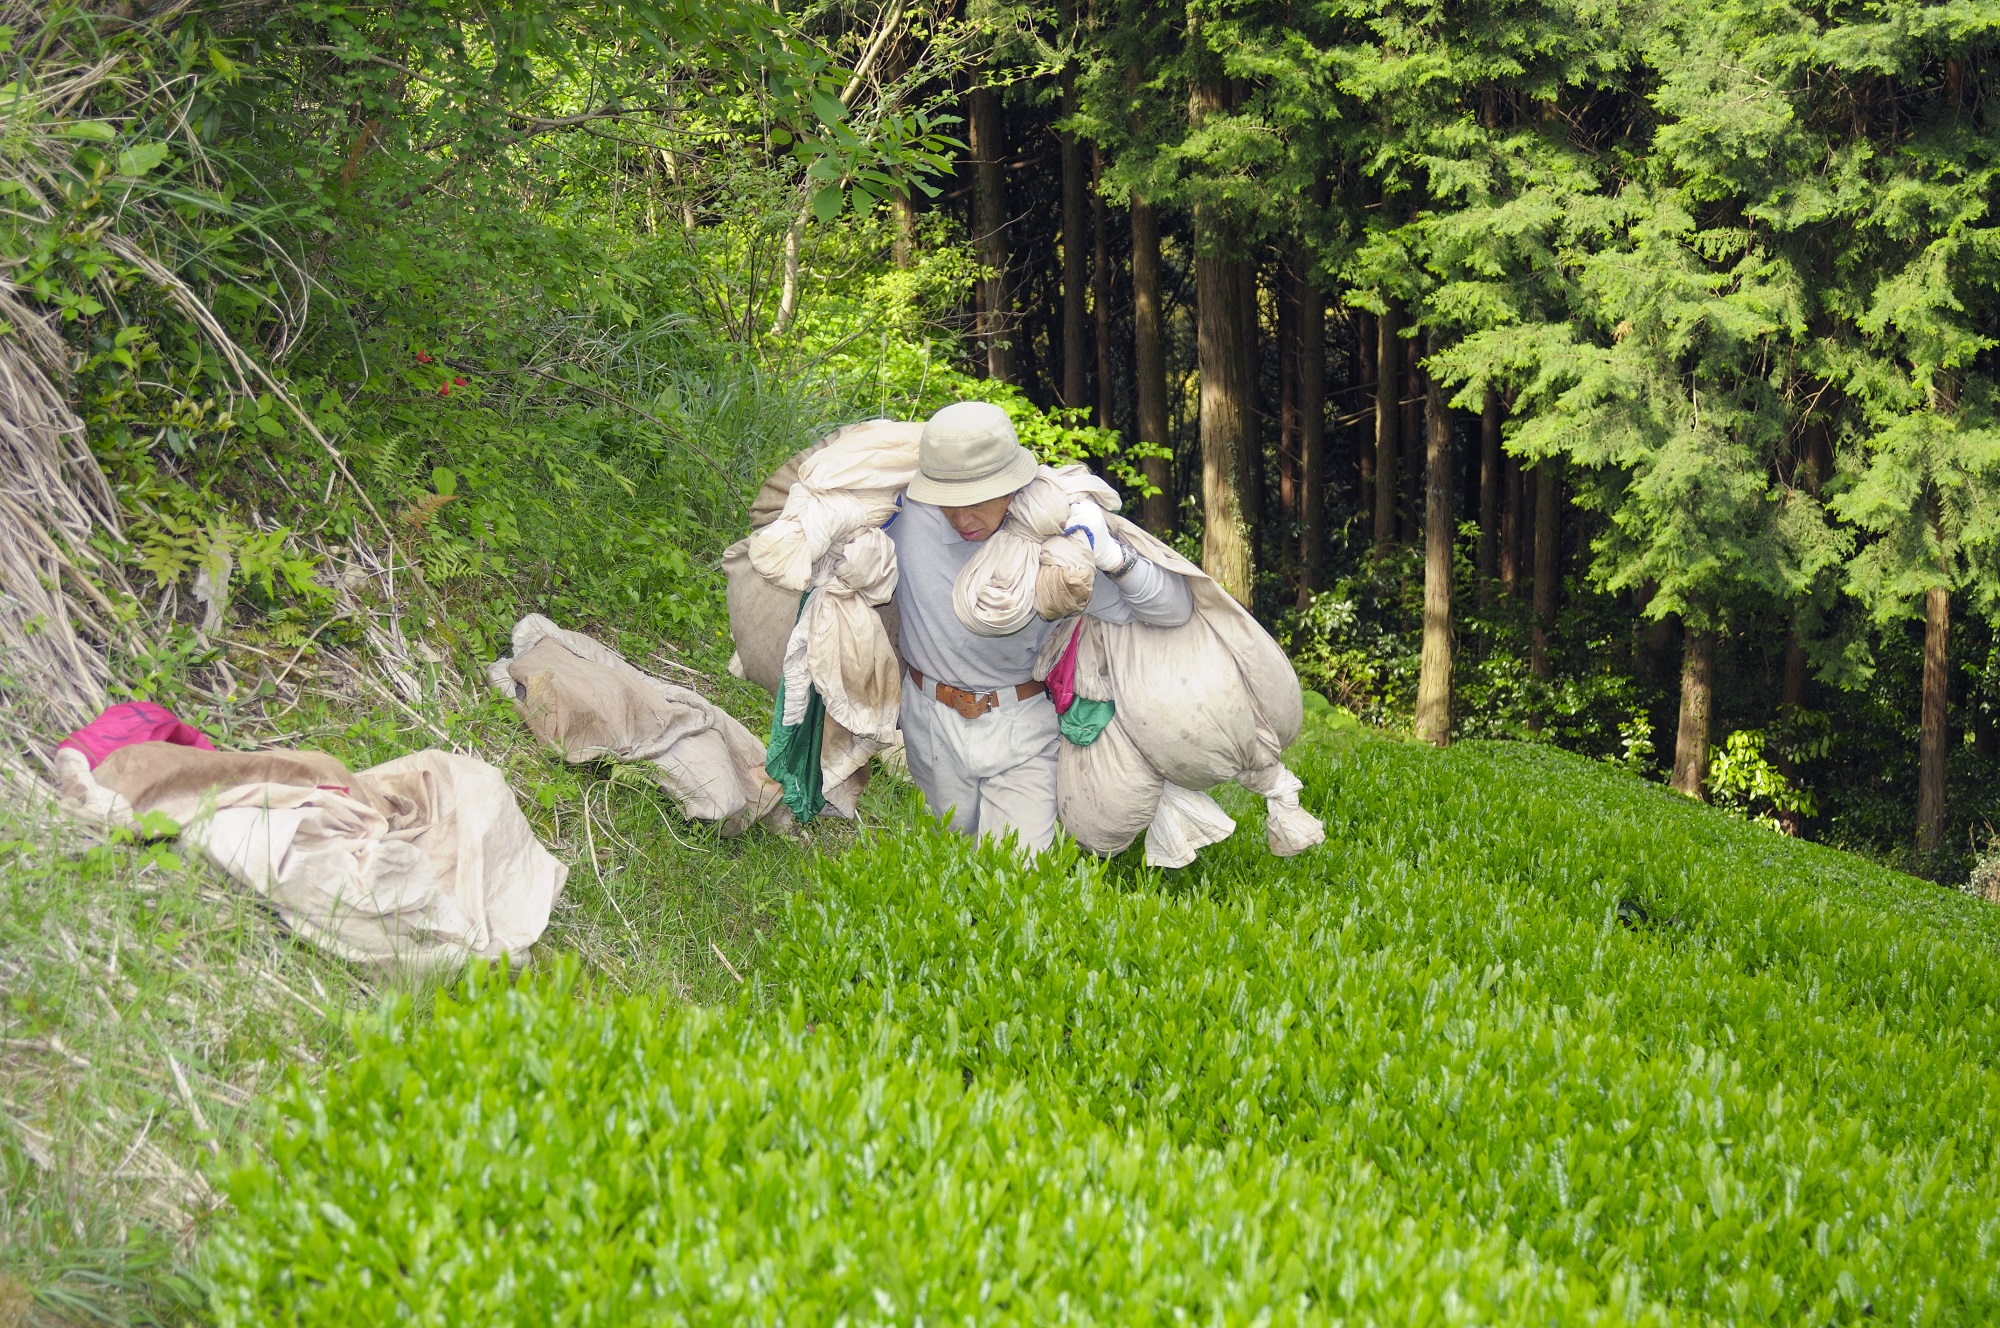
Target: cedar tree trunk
(1931,738)
(1412,435)
(1489,494)
(1288,398)
(1225,418)
(1388,373)
(1513,505)
(1250,460)
(1697,685)
(1150,363)
(989,196)
(1100,289)
(1548,525)
(1364,423)
(1434,675)
(1312,433)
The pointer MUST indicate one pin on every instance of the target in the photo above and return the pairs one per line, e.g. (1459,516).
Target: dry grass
(53,499)
(59,601)
(144,1007)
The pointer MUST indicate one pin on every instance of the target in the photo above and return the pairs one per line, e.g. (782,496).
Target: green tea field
(1527,1041)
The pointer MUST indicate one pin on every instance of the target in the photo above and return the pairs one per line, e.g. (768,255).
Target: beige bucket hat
(968,454)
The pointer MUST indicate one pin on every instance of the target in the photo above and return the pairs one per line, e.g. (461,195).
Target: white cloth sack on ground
(581,696)
(424,861)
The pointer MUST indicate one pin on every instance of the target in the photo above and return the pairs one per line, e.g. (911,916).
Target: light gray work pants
(989,775)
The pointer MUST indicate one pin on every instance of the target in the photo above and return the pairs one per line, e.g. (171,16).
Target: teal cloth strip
(792,755)
(792,758)
(1085,719)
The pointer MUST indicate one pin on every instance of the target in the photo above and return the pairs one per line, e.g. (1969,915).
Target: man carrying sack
(979,733)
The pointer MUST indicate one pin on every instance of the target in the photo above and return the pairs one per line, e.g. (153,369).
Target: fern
(424,510)
(168,546)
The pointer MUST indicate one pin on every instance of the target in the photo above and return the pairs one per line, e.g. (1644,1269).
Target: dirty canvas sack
(584,698)
(1212,700)
(422,862)
(1029,568)
(827,544)
(811,607)
(1216,693)
(852,481)
(1107,791)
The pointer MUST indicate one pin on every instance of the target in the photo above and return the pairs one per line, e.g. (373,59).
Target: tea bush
(624,1163)
(1527,1039)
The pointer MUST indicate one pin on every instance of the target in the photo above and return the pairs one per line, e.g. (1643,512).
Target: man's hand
(1087,519)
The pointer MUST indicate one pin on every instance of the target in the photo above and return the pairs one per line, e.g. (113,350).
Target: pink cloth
(132,722)
(1062,678)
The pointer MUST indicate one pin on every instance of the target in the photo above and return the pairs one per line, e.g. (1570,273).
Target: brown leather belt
(972,705)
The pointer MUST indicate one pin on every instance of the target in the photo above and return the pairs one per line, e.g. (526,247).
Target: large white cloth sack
(1028,567)
(1263,679)
(1212,700)
(852,480)
(1267,673)
(1113,793)
(1183,700)
(840,645)
(422,862)
(1107,794)
(816,526)
(583,697)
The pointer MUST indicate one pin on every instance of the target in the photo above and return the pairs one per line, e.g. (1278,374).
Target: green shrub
(1527,1038)
(531,1155)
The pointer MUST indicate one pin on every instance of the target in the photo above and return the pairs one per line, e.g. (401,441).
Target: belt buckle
(969,705)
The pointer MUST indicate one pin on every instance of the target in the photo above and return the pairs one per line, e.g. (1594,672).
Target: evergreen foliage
(1732,267)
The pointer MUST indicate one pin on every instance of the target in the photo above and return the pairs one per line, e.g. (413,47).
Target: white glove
(1087,519)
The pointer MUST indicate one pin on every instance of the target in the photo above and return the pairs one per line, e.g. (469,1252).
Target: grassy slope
(1425,1072)
(147,1008)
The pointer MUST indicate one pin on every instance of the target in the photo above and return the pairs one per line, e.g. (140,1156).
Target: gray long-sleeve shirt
(929,555)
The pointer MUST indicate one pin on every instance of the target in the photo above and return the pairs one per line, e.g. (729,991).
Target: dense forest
(1639,358)
(1613,375)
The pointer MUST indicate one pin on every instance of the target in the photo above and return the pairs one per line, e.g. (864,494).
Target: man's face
(977,522)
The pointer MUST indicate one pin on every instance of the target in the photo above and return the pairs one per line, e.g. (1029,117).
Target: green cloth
(792,758)
(1085,719)
(792,755)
